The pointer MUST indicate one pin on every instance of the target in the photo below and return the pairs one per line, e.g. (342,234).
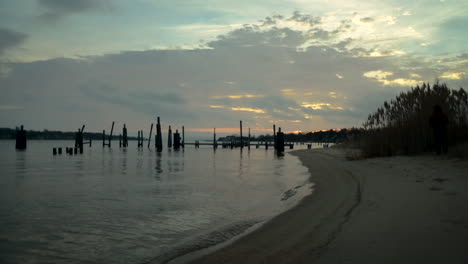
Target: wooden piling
(110,137)
(183,137)
(21,138)
(120,140)
(103,138)
(54,151)
(274,136)
(215,143)
(241,141)
(249,140)
(169,138)
(60,151)
(279,141)
(159,145)
(151,132)
(176,144)
(124,136)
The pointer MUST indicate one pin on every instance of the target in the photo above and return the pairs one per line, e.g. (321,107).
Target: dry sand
(384,210)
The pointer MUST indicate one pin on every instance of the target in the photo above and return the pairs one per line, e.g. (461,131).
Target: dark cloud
(10,39)
(56,9)
(311,20)
(192,87)
(367,20)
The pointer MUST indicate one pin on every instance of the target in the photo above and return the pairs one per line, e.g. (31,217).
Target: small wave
(205,241)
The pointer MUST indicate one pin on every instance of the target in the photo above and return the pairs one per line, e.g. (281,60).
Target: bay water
(130,205)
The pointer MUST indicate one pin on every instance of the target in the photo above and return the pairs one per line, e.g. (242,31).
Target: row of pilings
(175,140)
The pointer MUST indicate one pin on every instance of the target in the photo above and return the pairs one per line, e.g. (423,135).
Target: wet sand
(383,210)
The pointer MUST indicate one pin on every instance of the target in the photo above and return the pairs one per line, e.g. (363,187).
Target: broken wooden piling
(274,136)
(110,137)
(124,137)
(169,138)
(159,145)
(241,141)
(21,141)
(176,144)
(183,137)
(249,140)
(215,143)
(279,141)
(151,132)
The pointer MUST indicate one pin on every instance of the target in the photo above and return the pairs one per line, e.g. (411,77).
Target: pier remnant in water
(248,143)
(21,138)
(241,141)
(215,143)
(140,139)
(279,141)
(159,145)
(124,137)
(110,137)
(274,136)
(176,140)
(151,132)
(169,138)
(183,137)
(79,139)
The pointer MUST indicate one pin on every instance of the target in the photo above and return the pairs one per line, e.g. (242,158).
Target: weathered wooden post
(274,136)
(176,140)
(151,132)
(124,137)
(159,145)
(20,138)
(120,140)
(266,144)
(110,137)
(103,138)
(169,138)
(280,141)
(241,141)
(54,151)
(249,140)
(183,137)
(215,143)
(60,151)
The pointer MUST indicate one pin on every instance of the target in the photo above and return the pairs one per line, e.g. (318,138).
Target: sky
(304,65)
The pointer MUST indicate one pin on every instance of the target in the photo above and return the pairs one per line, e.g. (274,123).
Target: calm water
(135,205)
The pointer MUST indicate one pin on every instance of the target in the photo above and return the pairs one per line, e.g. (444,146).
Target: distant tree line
(401,126)
(328,136)
(8,133)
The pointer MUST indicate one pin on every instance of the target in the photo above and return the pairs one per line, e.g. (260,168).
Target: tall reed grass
(401,126)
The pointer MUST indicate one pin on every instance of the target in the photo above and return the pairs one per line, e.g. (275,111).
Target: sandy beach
(382,210)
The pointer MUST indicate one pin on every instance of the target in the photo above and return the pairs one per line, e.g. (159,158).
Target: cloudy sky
(301,64)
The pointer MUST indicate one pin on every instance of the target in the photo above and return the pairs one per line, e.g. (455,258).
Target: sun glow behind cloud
(247,109)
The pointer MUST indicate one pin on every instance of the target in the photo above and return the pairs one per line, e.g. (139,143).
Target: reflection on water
(113,205)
